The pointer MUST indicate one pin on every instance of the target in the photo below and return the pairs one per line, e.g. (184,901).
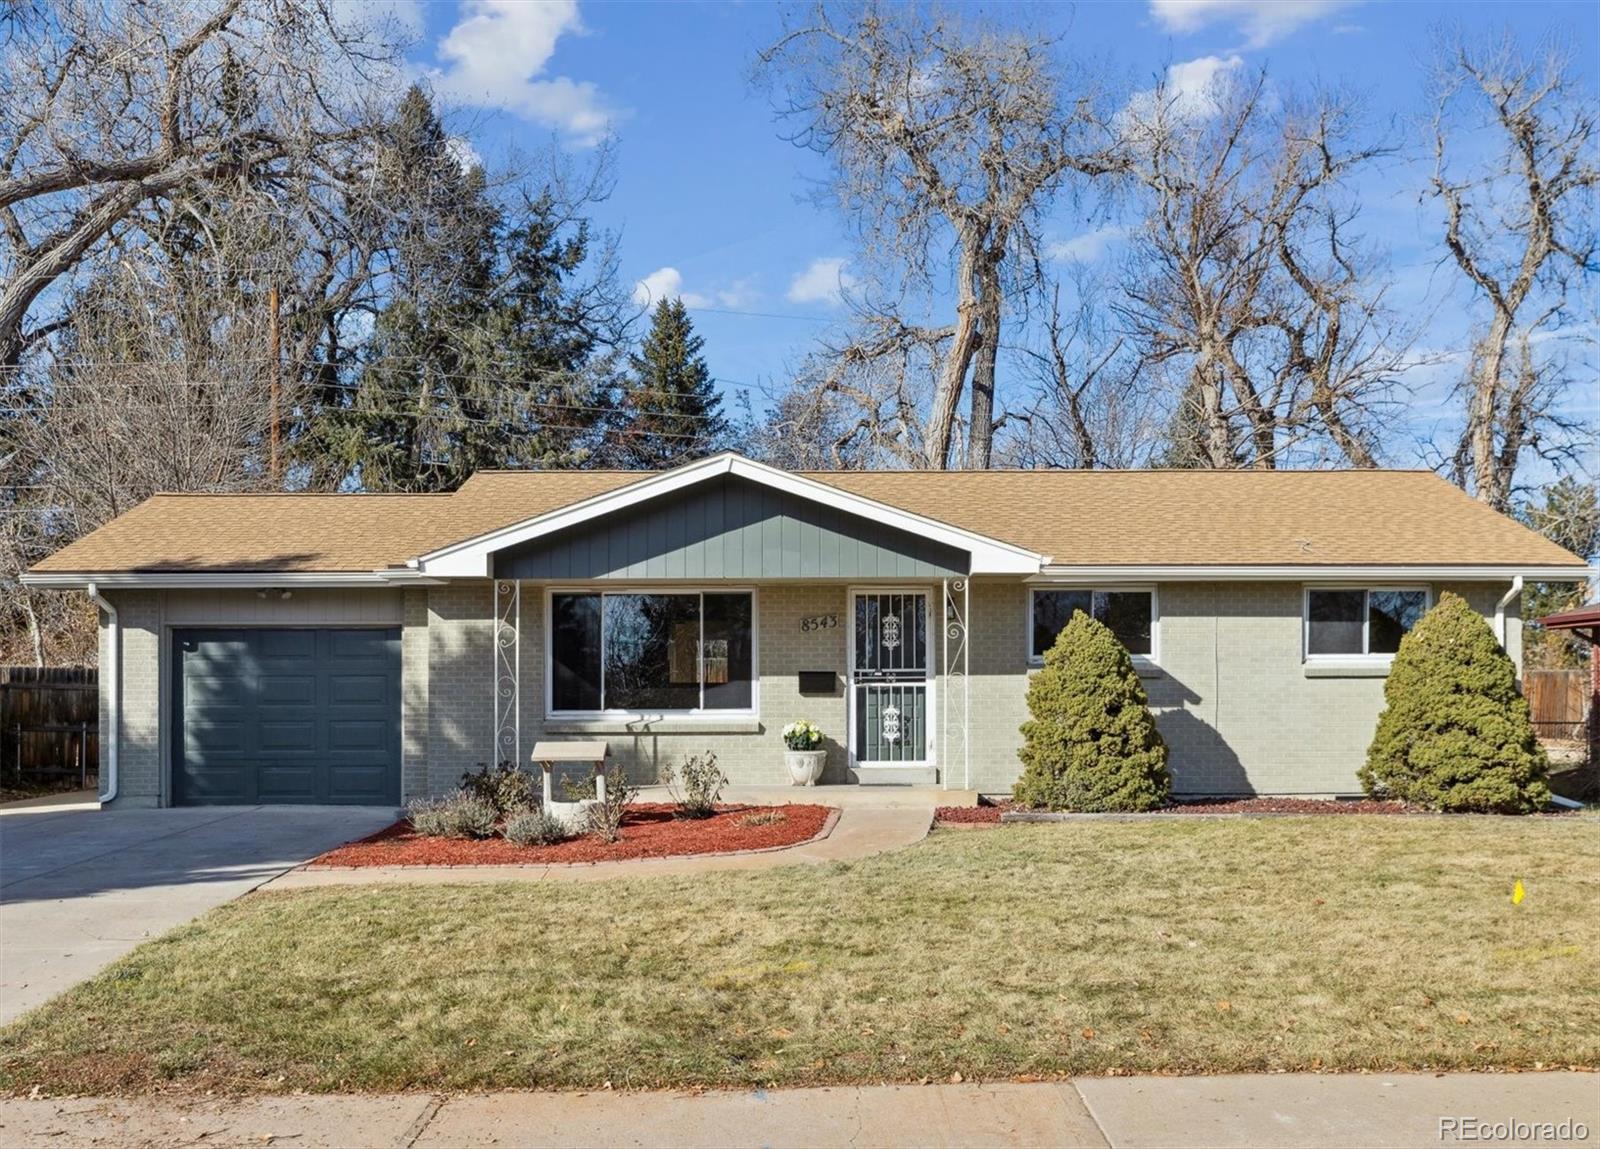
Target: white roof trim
(157,580)
(1328,571)
(470,557)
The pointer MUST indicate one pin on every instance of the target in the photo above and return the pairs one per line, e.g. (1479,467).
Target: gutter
(113,692)
(1500,611)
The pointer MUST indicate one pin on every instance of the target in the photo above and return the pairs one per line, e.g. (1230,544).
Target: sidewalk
(1346,1112)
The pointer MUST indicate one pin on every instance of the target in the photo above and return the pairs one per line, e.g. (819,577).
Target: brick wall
(1233,698)
(460,681)
(414,659)
(140,756)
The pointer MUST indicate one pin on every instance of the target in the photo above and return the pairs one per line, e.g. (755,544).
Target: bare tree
(1246,289)
(110,107)
(1520,226)
(947,140)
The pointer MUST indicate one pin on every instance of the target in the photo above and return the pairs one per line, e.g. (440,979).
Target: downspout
(113,723)
(1500,613)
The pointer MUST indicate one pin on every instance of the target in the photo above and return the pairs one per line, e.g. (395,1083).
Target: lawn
(1174,946)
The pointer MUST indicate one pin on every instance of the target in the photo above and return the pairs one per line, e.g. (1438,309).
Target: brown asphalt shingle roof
(1093,518)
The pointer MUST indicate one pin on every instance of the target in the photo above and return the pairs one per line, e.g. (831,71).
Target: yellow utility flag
(1517,893)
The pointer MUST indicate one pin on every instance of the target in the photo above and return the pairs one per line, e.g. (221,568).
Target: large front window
(1358,622)
(634,652)
(1129,613)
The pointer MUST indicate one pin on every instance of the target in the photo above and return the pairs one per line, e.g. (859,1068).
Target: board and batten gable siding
(730,528)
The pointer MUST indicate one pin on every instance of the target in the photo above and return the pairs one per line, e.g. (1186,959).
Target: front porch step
(894,775)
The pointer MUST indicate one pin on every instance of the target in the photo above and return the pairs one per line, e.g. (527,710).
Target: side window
(1130,614)
(1358,622)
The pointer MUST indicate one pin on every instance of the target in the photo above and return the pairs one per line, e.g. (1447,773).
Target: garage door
(266,716)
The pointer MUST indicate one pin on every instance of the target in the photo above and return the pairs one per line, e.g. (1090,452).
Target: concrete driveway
(81,886)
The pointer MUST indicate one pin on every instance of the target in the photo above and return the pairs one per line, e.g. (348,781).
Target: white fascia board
(1327,572)
(169,580)
(470,557)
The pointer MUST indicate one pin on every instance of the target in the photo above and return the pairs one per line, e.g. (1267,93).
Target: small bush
(702,781)
(505,787)
(1456,733)
(766,817)
(1091,744)
(605,818)
(537,828)
(428,817)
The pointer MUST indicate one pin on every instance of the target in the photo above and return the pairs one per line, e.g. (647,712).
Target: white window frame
(698,714)
(1151,661)
(1365,658)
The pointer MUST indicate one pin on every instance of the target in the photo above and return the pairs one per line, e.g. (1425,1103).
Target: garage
(281,715)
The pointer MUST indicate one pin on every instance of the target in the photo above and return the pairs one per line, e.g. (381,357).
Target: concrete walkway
(1304,1112)
(81,886)
(872,820)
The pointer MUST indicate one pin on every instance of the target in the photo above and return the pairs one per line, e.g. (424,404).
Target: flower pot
(805,766)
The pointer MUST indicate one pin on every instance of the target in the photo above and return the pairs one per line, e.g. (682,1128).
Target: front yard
(1189,946)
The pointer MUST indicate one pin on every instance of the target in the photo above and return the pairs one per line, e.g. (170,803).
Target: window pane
(1390,613)
(652,651)
(575,651)
(1127,613)
(1336,621)
(728,654)
(1052,610)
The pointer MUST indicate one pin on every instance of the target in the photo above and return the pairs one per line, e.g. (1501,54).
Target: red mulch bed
(987,814)
(649,830)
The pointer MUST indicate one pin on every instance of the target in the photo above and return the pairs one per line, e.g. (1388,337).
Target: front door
(890,647)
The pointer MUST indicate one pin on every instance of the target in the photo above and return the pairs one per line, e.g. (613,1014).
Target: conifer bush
(1456,733)
(1091,744)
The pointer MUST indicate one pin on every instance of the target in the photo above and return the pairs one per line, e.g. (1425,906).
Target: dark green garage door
(286,716)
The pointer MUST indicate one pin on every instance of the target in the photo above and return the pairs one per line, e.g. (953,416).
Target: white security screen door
(889,670)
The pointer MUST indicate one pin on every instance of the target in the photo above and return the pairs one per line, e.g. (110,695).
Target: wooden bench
(548,755)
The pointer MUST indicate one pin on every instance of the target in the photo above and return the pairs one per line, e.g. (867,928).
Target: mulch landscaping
(649,830)
(989,813)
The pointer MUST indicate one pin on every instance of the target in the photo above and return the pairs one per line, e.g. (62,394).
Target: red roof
(1583,616)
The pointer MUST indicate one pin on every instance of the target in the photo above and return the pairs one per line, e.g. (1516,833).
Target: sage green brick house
(370,648)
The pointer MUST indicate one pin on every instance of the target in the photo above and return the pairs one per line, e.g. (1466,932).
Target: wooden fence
(49,723)
(1559,700)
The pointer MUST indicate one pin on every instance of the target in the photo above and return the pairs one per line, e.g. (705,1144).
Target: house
(370,648)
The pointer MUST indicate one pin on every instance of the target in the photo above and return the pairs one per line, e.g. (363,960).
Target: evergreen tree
(1456,734)
(1091,743)
(1568,516)
(670,410)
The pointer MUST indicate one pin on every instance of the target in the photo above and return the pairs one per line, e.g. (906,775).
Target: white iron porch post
(508,671)
(955,672)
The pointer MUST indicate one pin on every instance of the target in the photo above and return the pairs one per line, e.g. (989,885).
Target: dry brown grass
(1179,946)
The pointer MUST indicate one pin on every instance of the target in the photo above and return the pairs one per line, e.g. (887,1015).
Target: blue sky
(713,204)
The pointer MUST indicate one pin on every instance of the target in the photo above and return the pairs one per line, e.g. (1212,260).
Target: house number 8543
(819,622)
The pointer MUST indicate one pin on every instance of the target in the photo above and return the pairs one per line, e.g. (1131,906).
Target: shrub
(769,816)
(702,781)
(1091,743)
(1456,733)
(428,817)
(537,828)
(505,787)
(605,818)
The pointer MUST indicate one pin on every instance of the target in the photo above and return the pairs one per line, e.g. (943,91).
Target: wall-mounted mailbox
(818,681)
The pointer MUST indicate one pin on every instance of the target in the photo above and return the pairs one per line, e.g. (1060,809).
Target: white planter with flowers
(803,754)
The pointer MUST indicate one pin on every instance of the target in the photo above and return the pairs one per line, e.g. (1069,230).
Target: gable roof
(1109,519)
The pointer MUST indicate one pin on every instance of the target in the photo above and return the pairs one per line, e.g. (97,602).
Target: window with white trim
(1130,613)
(1360,622)
(652,652)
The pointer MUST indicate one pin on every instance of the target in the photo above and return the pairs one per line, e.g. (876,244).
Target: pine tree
(670,410)
(1568,516)
(1091,744)
(1456,734)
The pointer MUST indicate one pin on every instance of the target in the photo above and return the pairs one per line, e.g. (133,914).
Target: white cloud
(1262,21)
(824,281)
(496,55)
(1088,247)
(665,283)
(1192,91)
(462,151)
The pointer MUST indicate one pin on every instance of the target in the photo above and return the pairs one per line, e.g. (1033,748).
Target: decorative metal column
(956,604)
(507,670)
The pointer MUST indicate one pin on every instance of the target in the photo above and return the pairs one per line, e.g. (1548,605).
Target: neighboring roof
(1581,618)
(1077,518)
